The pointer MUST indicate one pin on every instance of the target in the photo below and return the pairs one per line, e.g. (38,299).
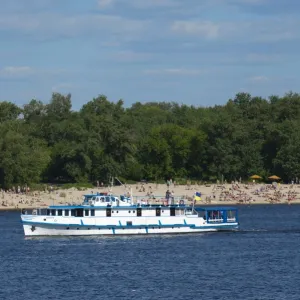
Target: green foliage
(153,141)
(79,186)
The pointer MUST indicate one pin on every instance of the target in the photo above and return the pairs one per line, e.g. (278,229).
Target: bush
(37,186)
(78,186)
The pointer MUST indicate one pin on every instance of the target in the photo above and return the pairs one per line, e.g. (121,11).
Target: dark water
(262,261)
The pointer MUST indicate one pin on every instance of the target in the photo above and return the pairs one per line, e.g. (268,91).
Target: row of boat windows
(71,212)
(118,228)
(91,212)
(104,199)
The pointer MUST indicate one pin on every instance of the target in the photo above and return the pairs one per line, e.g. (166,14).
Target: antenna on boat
(194,200)
(131,198)
(112,181)
(119,181)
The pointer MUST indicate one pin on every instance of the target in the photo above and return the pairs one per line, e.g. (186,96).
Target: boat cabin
(218,214)
(118,211)
(105,199)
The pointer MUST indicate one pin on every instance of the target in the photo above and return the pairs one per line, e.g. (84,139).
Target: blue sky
(199,52)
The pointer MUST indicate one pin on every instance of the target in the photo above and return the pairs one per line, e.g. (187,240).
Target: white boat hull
(124,221)
(44,230)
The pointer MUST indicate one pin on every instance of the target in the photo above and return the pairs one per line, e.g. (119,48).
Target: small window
(139,212)
(92,212)
(73,212)
(48,212)
(86,213)
(53,212)
(66,212)
(172,212)
(129,223)
(158,212)
(129,211)
(59,212)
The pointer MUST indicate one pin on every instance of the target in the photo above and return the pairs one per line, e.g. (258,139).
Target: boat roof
(97,194)
(211,208)
(116,207)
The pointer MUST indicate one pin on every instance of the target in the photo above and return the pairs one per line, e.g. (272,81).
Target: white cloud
(263,57)
(202,28)
(267,30)
(153,3)
(259,78)
(140,4)
(105,3)
(131,56)
(26,71)
(16,71)
(62,86)
(173,71)
(46,25)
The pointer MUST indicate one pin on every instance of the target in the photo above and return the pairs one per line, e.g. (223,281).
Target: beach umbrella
(274,177)
(255,177)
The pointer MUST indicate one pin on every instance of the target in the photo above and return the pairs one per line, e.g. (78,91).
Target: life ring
(181,202)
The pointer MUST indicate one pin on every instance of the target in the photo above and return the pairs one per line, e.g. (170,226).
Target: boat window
(201,214)
(66,212)
(107,199)
(53,212)
(73,212)
(113,199)
(79,212)
(59,212)
(102,199)
(108,212)
(231,214)
(172,211)
(139,212)
(92,212)
(86,213)
(97,199)
(48,212)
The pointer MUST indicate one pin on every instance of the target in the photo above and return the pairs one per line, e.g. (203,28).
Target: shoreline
(13,209)
(234,194)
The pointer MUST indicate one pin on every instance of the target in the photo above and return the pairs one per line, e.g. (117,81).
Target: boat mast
(131,198)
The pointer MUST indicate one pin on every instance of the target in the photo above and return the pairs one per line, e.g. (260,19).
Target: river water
(261,261)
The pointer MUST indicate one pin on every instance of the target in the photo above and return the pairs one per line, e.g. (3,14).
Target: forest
(43,143)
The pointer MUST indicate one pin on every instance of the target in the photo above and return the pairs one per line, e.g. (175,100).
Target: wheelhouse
(218,214)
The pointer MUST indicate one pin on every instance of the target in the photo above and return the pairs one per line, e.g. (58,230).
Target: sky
(194,52)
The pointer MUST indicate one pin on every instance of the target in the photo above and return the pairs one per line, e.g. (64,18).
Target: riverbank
(227,194)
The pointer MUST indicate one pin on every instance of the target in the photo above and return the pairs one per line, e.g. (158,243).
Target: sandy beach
(211,194)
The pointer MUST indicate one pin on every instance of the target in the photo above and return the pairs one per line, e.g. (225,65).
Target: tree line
(155,141)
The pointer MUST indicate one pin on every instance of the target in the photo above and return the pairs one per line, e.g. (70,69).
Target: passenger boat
(103,214)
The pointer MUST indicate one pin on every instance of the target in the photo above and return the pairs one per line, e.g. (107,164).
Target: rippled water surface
(261,261)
